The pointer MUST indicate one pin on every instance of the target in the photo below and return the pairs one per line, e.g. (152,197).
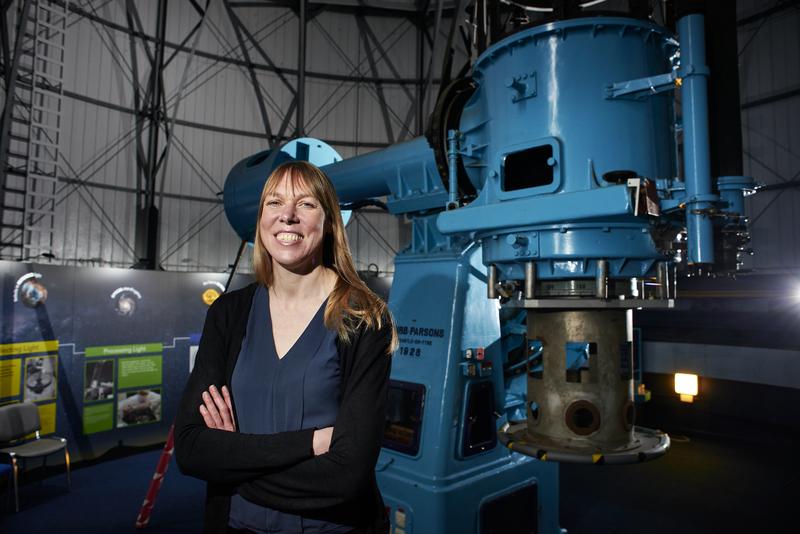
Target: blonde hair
(351,304)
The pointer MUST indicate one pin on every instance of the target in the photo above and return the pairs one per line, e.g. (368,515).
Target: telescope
(558,189)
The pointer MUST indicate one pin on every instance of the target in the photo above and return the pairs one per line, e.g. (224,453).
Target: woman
(300,360)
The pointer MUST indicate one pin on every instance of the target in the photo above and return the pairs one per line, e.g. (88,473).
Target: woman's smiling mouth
(288,237)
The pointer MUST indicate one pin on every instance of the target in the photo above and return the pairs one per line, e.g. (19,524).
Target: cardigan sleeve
(346,471)
(217,455)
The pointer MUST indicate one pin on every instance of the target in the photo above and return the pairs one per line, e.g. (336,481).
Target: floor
(705,484)
(106,497)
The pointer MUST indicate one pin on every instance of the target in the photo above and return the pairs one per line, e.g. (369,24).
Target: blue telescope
(547,202)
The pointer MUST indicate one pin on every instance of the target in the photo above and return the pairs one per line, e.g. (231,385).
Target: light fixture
(686,386)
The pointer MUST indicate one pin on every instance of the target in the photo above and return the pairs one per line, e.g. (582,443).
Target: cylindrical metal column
(697,168)
(590,408)
(601,279)
(662,276)
(301,69)
(731,191)
(491,282)
(452,169)
(530,279)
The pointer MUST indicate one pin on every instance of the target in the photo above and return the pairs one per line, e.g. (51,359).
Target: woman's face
(292,226)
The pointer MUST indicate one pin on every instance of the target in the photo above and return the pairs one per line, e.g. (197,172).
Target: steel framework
(152,138)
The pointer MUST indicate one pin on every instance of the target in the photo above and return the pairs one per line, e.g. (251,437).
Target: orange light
(686,386)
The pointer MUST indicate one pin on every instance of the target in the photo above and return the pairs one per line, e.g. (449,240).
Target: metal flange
(587,303)
(646,445)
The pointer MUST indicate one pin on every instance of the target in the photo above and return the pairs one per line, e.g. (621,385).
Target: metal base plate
(647,445)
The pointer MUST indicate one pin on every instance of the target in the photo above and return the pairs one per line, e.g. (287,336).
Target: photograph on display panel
(138,407)
(41,378)
(98,381)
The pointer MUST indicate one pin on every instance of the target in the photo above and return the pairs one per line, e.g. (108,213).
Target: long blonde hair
(351,304)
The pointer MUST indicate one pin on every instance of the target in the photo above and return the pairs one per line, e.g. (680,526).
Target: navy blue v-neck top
(298,391)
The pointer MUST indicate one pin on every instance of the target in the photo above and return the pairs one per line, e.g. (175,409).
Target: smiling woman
(292,225)
(284,411)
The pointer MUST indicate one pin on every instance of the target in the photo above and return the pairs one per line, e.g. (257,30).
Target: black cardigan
(280,470)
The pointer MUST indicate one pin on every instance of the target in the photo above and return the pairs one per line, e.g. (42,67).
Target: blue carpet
(106,497)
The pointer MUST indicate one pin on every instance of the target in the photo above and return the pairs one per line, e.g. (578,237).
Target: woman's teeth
(288,237)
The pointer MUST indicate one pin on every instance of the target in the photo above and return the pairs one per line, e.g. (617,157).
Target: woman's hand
(322,440)
(217,410)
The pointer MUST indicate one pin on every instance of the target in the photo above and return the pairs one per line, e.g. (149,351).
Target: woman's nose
(288,213)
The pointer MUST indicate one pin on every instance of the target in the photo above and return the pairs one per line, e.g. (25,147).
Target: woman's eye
(307,204)
(272,203)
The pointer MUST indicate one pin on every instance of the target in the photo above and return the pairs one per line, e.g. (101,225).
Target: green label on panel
(112,350)
(98,417)
(140,371)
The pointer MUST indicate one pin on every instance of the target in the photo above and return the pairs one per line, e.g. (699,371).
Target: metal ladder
(33,120)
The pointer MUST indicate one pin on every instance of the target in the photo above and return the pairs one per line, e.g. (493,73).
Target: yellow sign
(210,295)
(47,417)
(47,420)
(29,347)
(10,374)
